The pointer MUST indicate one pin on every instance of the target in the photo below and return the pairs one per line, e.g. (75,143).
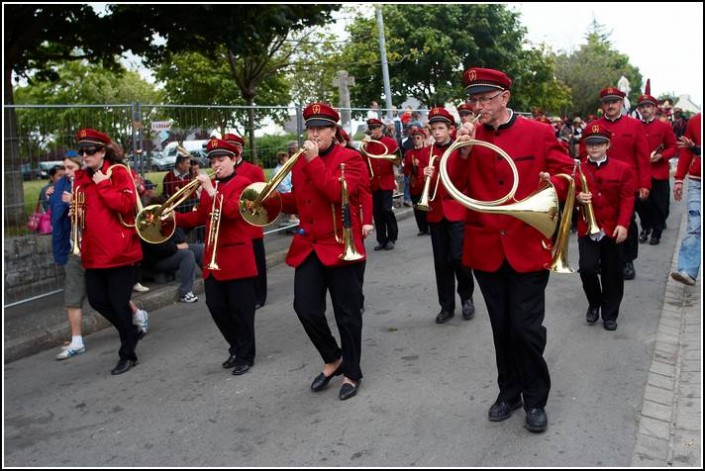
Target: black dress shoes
(379,247)
(593,313)
(241,369)
(610,324)
(536,420)
(348,390)
(321,381)
(468,309)
(655,239)
(443,317)
(123,366)
(643,236)
(502,410)
(389,246)
(230,362)
(629,273)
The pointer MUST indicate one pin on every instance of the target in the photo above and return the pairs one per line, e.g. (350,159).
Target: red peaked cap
(611,93)
(318,115)
(440,115)
(596,133)
(218,147)
(233,138)
(464,108)
(480,80)
(646,99)
(91,136)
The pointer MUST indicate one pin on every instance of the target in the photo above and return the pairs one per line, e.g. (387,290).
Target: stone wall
(29,267)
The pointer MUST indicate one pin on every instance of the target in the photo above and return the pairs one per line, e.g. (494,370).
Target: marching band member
(315,253)
(506,254)
(611,186)
(382,185)
(110,250)
(255,174)
(446,220)
(662,147)
(415,159)
(230,290)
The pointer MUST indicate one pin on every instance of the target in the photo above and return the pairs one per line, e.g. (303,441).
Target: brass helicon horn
(539,210)
(384,155)
(252,199)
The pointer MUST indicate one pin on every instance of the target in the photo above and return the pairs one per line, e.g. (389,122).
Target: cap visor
(596,140)
(475,89)
(611,98)
(319,123)
(220,153)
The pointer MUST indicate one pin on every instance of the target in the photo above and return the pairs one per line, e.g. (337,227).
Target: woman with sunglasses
(110,249)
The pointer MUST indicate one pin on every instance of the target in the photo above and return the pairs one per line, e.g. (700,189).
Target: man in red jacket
(662,147)
(255,174)
(628,144)
(316,197)
(507,255)
(610,190)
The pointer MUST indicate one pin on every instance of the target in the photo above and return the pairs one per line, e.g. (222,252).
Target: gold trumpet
(253,197)
(215,227)
(588,210)
(350,253)
(78,221)
(384,155)
(539,210)
(157,223)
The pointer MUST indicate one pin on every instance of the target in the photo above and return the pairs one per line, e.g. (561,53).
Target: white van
(195,147)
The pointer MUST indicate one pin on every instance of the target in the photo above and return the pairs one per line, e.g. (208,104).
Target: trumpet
(157,223)
(253,197)
(214,227)
(588,211)
(349,254)
(424,202)
(78,222)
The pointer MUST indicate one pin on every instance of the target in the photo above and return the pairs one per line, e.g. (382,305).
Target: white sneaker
(139,287)
(189,298)
(141,320)
(70,352)
(683,278)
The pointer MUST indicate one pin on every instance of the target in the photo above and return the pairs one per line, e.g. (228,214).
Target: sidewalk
(671,413)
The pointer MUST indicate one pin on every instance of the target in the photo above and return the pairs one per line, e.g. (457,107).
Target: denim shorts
(75,283)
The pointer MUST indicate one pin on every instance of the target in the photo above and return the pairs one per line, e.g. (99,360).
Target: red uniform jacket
(235,255)
(383,178)
(489,238)
(689,163)
(443,205)
(660,135)
(106,242)
(612,185)
(255,174)
(415,171)
(316,197)
(629,145)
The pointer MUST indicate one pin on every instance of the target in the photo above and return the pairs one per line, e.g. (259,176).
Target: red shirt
(415,170)
(612,185)
(383,170)
(235,255)
(316,198)
(106,242)
(660,135)
(689,163)
(628,144)
(492,238)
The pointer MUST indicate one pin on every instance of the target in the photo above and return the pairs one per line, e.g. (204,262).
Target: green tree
(592,67)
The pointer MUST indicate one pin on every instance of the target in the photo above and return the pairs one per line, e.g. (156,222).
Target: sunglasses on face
(88,150)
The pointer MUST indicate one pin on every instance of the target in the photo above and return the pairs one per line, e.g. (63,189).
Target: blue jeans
(689,254)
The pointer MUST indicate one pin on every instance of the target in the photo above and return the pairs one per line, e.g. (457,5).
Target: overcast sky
(664,40)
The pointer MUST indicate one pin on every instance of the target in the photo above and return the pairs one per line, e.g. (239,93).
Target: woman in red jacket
(110,249)
(230,290)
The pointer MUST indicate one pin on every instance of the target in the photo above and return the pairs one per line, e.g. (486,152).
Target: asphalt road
(423,400)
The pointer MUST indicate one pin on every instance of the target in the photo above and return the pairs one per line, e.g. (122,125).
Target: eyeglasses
(483,100)
(88,150)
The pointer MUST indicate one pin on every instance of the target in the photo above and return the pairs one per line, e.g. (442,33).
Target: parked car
(46,166)
(161,162)
(29,173)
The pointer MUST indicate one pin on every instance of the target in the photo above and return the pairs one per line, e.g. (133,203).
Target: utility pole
(343,81)
(385,66)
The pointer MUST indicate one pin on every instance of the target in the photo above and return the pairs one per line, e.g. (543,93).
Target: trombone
(214,227)
(157,223)
(252,199)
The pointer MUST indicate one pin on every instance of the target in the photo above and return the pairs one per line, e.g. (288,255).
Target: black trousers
(447,240)
(654,211)
(385,221)
(261,260)
(311,282)
(516,305)
(420,216)
(600,266)
(109,291)
(232,306)
(631,245)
